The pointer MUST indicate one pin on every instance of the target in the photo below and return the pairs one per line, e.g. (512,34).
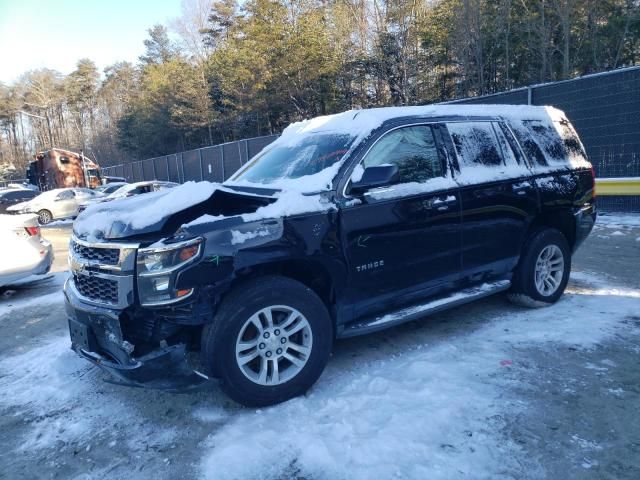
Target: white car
(56,204)
(24,252)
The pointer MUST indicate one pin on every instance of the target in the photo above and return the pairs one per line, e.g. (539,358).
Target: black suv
(345,225)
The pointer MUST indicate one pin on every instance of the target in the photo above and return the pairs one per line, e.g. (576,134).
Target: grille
(105,256)
(98,289)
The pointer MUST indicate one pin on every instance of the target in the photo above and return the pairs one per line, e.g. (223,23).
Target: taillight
(32,231)
(593,179)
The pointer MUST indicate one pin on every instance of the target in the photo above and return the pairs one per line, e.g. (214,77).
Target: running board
(361,327)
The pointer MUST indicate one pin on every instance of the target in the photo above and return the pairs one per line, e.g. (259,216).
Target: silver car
(56,204)
(130,190)
(24,252)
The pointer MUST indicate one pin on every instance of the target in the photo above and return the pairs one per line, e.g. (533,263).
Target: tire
(241,330)
(540,279)
(44,217)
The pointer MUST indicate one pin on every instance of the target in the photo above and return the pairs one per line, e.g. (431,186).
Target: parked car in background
(111,179)
(129,190)
(56,204)
(345,225)
(14,196)
(109,188)
(24,252)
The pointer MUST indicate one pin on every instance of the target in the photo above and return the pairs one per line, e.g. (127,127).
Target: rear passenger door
(498,197)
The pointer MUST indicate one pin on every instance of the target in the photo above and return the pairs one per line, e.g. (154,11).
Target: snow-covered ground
(429,403)
(487,390)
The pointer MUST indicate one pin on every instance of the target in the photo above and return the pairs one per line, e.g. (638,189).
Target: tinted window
(505,146)
(548,144)
(412,149)
(311,154)
(110,189)
(476,144)
(11,196)
(66,195)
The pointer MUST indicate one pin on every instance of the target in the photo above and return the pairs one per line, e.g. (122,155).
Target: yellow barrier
(618,186)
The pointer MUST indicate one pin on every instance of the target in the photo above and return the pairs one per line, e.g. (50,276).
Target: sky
(57,33)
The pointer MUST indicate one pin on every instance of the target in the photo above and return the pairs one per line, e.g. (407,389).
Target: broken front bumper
(96,335)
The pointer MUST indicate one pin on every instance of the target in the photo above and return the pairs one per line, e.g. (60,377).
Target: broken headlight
(158,267)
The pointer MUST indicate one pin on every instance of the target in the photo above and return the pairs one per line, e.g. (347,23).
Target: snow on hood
(150,212)
(143,212)
(288,203)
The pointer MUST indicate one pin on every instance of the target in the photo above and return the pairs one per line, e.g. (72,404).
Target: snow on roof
(360,123)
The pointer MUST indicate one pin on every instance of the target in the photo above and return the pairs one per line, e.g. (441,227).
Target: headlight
(158,268)
(162,259)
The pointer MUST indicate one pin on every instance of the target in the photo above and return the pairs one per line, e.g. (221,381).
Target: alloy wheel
(274,345)
(549,270)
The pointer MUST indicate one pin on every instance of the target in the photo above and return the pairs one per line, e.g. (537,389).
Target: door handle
(440,203)
(521,188)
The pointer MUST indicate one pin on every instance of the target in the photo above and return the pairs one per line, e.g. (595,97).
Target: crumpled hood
(165,211)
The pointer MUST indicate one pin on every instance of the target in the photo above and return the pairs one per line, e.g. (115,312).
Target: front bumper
(96,336)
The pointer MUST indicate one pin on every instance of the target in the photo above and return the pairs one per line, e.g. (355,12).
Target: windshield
(122,190)
(309,156)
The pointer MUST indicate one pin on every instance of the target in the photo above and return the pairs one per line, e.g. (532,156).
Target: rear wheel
(543,271)
(269,342)
(44,217)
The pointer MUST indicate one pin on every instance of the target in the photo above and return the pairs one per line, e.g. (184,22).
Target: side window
(507,152)
(549,143)
(412,149)
(476,144)
(66,195)
(22,196)
(11,196)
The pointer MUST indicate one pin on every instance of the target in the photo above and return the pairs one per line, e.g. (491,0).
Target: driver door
(403,241)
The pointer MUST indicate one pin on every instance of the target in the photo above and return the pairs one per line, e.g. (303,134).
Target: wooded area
(221,72)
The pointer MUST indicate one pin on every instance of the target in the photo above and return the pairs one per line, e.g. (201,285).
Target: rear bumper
(585,220)
(96,336)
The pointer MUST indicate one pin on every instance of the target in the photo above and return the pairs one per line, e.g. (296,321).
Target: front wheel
(543,271)
(44,217)
(269,342)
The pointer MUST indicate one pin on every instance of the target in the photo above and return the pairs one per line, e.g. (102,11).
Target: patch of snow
(471,292)
(357,173)
(238,237)
(618,220)
(617,233)
(143,210)
(423,412)
(412,188)
(288,203)
(61,396)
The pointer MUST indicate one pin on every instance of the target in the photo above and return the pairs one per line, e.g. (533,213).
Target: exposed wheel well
(560,220)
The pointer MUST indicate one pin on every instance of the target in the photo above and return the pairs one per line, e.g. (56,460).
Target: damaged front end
(136,305)
(109,327)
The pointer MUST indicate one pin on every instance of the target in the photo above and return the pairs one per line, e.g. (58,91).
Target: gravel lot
(486,390)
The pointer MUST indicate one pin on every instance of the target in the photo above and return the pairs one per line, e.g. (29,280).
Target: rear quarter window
(553,144)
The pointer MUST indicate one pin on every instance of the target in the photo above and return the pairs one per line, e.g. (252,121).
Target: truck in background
(59,168)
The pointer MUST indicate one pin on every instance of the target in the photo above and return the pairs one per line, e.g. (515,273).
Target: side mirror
(377,176)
